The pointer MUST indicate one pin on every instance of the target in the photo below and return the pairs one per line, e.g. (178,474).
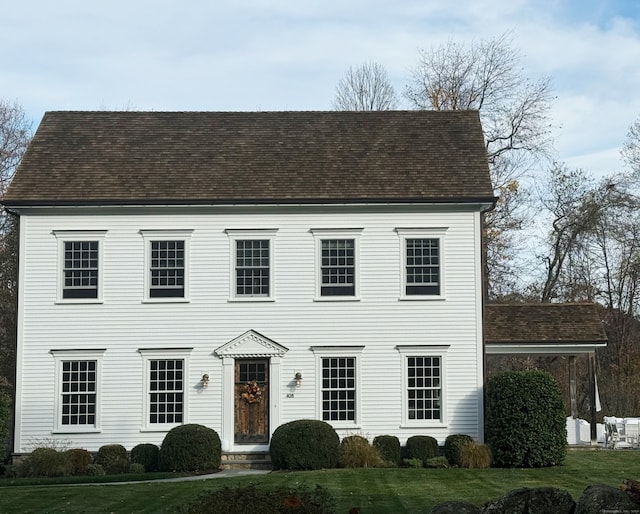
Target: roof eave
(482,200)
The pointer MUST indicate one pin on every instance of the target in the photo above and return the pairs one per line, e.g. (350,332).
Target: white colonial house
(242,270)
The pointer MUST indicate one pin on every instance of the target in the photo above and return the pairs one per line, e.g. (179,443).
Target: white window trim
(267,234)
(149,354)
(355,352)
(321,234)
(64,236)
(421,233)
(440,351)
(76,355)
(166,235)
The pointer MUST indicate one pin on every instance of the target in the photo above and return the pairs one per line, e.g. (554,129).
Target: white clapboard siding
(122,324)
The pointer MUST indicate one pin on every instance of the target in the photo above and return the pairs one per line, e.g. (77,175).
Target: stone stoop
(246,460)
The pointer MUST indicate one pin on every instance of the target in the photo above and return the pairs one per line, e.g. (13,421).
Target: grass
(373,490)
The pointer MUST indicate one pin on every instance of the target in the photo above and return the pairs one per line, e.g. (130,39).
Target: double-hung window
(252,263)
(80,265)
(166,372)
(421,262)
(423,375)
(166,264)
(337,263)
(338,371)
(77,390)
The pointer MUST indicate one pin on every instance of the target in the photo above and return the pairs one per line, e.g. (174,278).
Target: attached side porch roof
(543,329)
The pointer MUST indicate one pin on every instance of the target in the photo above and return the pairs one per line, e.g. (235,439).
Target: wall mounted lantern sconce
(205,380)
(298,378)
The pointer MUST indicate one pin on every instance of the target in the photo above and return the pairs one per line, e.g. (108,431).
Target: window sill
(90,301)
(336,299)
(342,426)
(166,300)
(78,430)
(422,298)
(423,424)
(166,428)
(250,299)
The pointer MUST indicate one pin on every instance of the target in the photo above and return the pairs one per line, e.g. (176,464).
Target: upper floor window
(77,390)
(80,263)
(337,263)
(422,270)
(252,263)
(166,264)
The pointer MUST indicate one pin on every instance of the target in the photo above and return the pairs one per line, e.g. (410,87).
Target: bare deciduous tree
(15,134)
(365,88)
(631,149)
(487,76)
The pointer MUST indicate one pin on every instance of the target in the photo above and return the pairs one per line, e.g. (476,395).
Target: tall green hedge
(525,423)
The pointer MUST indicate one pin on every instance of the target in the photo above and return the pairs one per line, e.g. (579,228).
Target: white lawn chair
(616,436)
(632,432)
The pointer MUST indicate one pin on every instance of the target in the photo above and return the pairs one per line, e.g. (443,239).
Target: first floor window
(165,387)
(77,390)
(166,391)
(424,388)
(338,388)
(79,387)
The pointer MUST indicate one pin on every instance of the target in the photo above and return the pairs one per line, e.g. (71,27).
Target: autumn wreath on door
(251,392)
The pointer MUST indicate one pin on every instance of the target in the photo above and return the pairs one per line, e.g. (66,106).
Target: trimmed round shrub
(191,448)
(304,444)
(452,445)
(525,425)
(422,447)
(388,447)
(356,452)
(79,460)
(147,455)
(113,458)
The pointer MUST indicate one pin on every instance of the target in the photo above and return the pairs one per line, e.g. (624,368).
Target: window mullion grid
(252,267)
(338,388)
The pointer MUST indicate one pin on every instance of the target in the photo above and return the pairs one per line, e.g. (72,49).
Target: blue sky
(286,55)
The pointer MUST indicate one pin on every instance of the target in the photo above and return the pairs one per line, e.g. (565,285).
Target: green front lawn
(373,490)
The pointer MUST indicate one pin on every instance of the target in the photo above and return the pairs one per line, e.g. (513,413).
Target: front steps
(246,460)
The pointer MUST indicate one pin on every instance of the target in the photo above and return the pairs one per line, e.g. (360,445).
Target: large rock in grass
(454,507)
(540,500)
(598,498)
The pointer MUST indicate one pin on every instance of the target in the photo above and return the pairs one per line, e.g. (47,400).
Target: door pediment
(251,344)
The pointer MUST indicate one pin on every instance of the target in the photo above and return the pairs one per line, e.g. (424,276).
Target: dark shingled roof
(259,157)
(543,323)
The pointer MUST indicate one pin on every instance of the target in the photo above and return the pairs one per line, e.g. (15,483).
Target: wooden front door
(252,401)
